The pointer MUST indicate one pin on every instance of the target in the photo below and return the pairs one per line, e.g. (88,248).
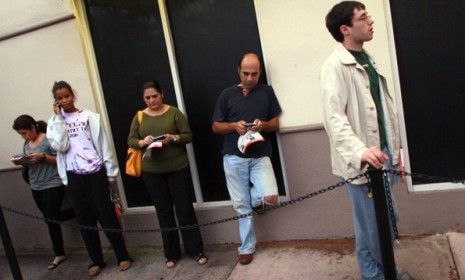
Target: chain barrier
(193,226)
(387,190)
(413,175)
(253,213)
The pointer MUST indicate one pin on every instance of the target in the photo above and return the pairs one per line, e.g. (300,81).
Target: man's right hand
(374,157)
(240,127)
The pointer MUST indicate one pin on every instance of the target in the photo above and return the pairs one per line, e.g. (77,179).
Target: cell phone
(20,159)
(57,103)
(161,137)
(249,124)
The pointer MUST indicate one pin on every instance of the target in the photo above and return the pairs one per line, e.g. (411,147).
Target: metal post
(9,250)
(383,221)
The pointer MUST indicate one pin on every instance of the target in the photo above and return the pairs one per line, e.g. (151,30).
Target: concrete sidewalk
(436,257)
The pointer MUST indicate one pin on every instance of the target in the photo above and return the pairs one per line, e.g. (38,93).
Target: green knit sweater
(170,157)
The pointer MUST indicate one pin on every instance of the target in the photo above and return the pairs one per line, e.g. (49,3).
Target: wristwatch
(175,139)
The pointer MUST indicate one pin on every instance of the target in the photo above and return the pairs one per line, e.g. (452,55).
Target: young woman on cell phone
(47,190)
(86,164)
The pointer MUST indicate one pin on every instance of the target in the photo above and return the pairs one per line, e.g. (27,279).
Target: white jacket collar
(347,58)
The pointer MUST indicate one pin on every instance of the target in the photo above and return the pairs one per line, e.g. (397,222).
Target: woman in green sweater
(164,131)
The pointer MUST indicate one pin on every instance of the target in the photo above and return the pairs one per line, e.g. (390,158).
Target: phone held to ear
(57,107)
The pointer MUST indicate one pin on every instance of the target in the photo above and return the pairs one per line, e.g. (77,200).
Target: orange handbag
(134,156)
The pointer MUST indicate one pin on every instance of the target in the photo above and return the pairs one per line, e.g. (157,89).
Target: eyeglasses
(364,17)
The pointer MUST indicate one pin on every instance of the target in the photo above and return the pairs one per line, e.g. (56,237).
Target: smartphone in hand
(20,159)
(250,124)
(157,138)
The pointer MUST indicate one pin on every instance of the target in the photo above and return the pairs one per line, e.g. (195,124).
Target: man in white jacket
(361,122)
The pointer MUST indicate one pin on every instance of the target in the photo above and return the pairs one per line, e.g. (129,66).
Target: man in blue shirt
(248,106)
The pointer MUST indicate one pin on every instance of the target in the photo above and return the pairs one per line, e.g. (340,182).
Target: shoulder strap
(139,116)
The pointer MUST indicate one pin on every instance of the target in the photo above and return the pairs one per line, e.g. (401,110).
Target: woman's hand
(57,108)
(17,161)
(36,157)
(170,138)
(146,141)
(113,186)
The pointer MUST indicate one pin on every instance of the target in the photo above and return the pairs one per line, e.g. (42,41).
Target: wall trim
(10,168)
(301,128)
(36,27)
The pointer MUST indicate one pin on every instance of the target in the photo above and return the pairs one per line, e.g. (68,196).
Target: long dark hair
(28,122)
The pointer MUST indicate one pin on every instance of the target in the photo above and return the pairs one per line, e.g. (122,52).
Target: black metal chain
(387,189)
(413,175)
(193,226)
(253,213)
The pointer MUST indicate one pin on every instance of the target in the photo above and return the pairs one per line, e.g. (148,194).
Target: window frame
(92,67)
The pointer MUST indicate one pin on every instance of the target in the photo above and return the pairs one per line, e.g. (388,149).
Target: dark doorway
(209,38)
(130,49)
(430,53)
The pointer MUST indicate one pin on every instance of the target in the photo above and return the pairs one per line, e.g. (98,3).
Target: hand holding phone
(160,137)
(19,159)
(57,107)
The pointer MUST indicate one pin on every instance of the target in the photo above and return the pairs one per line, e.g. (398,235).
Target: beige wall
(19,15)
(31,62)
(295,43)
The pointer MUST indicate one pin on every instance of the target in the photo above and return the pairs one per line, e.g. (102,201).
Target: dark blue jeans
(367,246)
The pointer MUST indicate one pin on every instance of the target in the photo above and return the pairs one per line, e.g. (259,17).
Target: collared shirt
(232,106)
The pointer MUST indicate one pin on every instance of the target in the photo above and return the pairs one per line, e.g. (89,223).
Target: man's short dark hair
(341,14)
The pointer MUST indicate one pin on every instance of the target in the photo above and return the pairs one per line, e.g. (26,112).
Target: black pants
(91,198)
(49,203)
(166,190)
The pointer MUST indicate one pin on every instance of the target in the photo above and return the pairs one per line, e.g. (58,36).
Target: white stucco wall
(22,14)
(31,62)
(295,43)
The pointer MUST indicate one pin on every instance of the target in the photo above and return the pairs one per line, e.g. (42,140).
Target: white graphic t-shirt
(81,158)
